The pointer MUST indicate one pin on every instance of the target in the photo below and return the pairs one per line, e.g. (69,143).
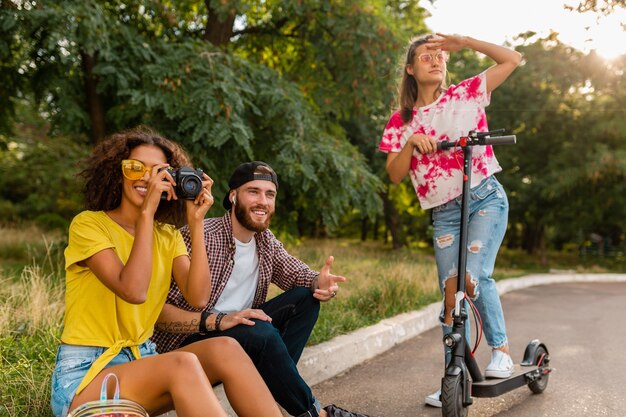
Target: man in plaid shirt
(244,258)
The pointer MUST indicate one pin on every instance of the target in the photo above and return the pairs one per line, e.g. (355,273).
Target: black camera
(188,182)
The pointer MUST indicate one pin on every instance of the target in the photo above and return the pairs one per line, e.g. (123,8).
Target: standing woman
(122,254)
(429,113)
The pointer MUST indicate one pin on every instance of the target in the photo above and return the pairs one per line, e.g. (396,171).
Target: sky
(498,21)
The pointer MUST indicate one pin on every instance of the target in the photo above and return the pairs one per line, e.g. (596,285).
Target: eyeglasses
(134,170)
(440,57)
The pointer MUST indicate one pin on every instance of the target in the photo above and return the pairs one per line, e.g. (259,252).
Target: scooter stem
(467,181)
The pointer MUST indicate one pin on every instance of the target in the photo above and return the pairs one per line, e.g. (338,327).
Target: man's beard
(243,217)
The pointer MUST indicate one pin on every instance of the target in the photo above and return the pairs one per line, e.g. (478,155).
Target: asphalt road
(582,324)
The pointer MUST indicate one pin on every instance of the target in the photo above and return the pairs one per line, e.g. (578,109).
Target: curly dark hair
(103,174)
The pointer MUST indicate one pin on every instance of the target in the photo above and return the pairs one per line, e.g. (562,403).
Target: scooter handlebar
(488,140)
(501,140)
(446,144)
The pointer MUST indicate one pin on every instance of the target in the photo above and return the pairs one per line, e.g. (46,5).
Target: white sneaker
(434,399)
(501,365)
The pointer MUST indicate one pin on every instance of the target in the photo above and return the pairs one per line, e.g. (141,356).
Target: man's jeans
(489,209)
(276,347)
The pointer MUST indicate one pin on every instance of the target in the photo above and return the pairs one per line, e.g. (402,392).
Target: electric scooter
(463,378)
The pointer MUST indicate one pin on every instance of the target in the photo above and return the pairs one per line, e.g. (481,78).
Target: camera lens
(191,186)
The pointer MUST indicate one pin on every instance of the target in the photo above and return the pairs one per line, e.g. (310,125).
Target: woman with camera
(122,253)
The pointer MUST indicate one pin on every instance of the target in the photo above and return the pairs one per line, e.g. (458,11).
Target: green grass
(31,312)
(28,245)
(380,283)
(30,325)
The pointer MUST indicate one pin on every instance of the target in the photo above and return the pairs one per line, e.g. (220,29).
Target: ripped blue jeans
(489,209)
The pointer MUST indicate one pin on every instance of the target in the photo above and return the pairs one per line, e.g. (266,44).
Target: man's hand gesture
(327,283)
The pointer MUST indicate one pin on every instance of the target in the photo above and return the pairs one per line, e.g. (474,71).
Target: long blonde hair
(407,90)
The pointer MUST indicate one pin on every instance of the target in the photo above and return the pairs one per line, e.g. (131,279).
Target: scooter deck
(493,387)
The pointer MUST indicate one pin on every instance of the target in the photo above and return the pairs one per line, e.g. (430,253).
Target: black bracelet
(314,283)
(203,316)
(218,321)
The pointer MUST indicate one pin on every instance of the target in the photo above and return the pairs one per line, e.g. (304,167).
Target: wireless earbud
(233,199)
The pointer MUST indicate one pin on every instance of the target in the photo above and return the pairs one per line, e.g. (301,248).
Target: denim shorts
(72,364)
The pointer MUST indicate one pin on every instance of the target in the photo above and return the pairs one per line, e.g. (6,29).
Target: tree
(602,6)
(345,56)
(565,176)
(308,86)
(197,72)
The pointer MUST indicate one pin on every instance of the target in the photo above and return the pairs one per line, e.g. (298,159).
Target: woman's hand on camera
(198,208)
(160,181)
(423,143)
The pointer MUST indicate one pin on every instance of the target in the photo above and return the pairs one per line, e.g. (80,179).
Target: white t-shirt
(241,286)
(438,177)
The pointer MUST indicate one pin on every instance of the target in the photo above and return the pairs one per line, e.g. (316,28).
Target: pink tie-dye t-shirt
(437,177)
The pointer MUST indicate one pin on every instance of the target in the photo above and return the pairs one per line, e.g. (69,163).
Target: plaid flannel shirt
(275,266)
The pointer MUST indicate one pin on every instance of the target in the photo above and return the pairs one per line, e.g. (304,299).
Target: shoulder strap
(103,390)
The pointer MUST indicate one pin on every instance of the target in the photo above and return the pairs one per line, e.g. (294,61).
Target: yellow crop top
(94,315)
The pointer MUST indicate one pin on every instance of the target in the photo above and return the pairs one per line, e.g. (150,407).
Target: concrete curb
(326,360)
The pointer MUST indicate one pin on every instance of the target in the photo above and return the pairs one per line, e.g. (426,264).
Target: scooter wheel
(539,385)
(452,396)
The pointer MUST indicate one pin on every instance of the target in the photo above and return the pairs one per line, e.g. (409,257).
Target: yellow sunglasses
(134,170)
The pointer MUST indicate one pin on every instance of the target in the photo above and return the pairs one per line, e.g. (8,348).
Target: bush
(38,177)
(8,211)
(52,221)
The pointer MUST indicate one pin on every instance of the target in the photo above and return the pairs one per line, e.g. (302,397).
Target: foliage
(603,6)
(37,178)
(566,174)
(284,101)
(306,86)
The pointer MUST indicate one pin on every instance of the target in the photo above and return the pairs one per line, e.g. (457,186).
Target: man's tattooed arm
(184,327)
(176,320)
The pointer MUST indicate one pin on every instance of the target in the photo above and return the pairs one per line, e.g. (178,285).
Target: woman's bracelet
(218,321)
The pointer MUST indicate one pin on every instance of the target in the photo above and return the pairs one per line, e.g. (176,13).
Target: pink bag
(109,408)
